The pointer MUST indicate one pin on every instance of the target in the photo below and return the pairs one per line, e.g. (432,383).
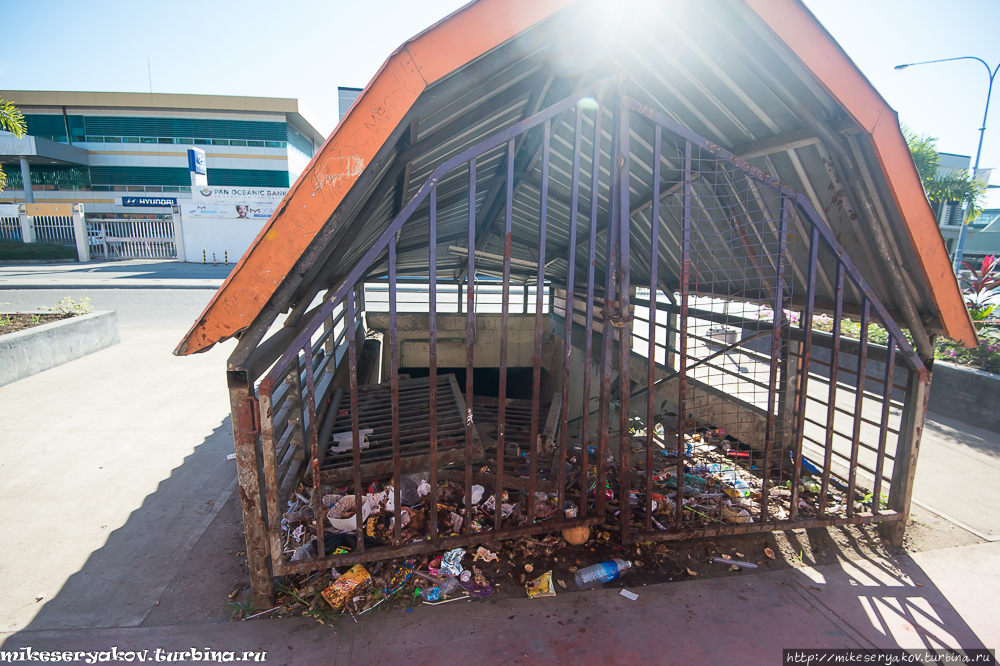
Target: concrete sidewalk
(148,274)
(867,603)
(113,465)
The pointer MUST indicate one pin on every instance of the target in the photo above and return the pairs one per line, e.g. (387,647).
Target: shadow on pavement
(121,582)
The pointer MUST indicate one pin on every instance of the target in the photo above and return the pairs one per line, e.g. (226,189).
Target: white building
(124,157)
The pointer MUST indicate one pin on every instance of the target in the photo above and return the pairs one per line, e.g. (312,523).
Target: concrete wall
(969,395)
(28,352)
(216,236)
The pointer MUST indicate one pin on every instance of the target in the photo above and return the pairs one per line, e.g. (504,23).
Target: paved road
(146,294)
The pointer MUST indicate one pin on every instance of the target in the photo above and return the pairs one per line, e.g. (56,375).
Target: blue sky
(306,49)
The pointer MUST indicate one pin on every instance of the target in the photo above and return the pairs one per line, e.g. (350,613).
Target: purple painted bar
(595,175)
(352,357)
(803,385)
(570,297)
(470,341)
(504,327)
(859,396)
(682,341)
(432,360)
(624,322)
(394,393)
(831,401)
(654,256)
(536,377)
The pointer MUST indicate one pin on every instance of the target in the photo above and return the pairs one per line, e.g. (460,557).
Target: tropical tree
(958,186)
(12,121)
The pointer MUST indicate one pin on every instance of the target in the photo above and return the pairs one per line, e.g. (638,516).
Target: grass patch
(16,250)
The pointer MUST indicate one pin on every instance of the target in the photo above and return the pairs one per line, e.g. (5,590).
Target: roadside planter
(966,394)
(27,352)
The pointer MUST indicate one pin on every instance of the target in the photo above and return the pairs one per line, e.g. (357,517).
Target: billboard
(234,203)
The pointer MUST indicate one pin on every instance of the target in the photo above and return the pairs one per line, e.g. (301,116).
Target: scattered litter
(39,597)
(769,553)
(631,596)
(231,456)
(485,555)
(599,574)
(540,587)
(529,568)
(451,564)
(561,583)
(737,563)
(345,440)
(691,572)
(341,589)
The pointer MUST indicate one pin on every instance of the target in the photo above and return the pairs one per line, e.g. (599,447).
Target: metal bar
(595,176)
(882,434)
(607,331)
(682,355)
(831,409)
(570,296)
(352,360)
(432,361)
(470,342)
(803,387)
(394,392)
(859,397)
(624,324)
(654,255)
(314,449)
(779,296)
(756,528)
(504,327)
(536,377)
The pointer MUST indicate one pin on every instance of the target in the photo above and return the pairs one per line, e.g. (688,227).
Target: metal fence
(112,239)
(54,229)
(669,270)
(10,228)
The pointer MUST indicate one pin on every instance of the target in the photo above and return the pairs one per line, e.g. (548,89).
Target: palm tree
(12,121)
(959,186)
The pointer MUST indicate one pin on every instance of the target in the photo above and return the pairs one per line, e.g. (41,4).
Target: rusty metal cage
(662,336)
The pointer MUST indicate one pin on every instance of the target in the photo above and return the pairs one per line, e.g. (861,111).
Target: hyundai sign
(149,202)
(196,161)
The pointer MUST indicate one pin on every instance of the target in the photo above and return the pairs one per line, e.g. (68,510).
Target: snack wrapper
(341,589)
(540,587)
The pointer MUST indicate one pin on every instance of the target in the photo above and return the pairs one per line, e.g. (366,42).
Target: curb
(28,352)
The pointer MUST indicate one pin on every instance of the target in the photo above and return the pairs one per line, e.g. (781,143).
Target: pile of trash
(722,484)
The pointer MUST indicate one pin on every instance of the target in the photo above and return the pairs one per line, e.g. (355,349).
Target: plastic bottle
(601,573)
(447,585)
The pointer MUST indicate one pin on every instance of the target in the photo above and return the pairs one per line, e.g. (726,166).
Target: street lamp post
(960,247)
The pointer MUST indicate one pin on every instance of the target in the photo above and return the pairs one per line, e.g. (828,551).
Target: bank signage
(149,202)
(239,203)
(196,161)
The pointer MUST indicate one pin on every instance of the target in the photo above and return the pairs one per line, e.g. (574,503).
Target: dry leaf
(727,557)
(561,584)
(739,554)
(769,553)
(692,573)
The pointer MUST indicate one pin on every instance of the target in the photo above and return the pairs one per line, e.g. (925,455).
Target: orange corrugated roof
(475,30)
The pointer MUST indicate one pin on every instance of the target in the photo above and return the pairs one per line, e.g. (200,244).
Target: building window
(220,142)
(248,177)
(237,142)
(148,139)
(201,142)
(255,144)
(130,139)
(94,139)
(162,140)
(112,139)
